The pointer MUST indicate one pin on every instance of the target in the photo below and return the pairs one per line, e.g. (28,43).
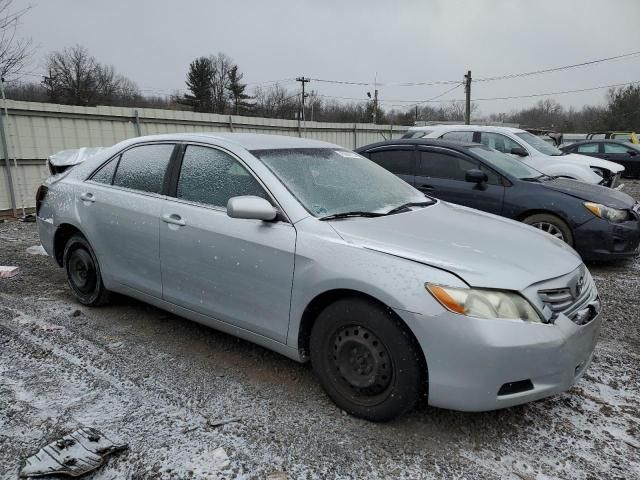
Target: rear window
(417,134)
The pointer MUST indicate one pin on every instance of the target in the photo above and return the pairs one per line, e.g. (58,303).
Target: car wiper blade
(404,206)
(351,214)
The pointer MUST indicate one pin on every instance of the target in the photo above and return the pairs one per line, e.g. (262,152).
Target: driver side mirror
(521,152)
(251,207)
(476,176)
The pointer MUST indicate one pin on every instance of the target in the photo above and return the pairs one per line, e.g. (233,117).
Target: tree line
(214,84)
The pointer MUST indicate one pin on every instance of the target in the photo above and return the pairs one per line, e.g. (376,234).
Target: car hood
(591,161)
(483,249)
(591,193)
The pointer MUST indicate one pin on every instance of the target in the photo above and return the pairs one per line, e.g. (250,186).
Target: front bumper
(599,239)
(469,360)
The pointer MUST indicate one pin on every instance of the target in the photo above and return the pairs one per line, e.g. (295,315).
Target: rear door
(626,156)
(119,207)
(399,160)
(441,172)
(235,270)
(592,149)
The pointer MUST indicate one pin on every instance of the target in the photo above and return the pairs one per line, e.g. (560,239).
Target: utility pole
(416,120)
(303,80)
(375,98)
(467,91)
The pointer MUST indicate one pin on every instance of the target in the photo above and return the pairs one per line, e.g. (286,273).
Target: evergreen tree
(236,91)
(198,82)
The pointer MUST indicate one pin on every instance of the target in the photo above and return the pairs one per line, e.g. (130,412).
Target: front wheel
(366,360)
(552,225)
(83,272)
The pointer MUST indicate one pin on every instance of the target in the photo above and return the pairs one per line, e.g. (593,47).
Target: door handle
(174,219)
(87,197)
(425,188)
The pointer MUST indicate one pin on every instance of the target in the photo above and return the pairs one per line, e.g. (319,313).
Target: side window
(105,174)
(588,148)
(399,162)
(143,168)
(458,136)
(452,167)
(498,142)
(211,177)
(615,148)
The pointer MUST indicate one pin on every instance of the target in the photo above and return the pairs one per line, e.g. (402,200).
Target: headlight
(484,303)
(608,213)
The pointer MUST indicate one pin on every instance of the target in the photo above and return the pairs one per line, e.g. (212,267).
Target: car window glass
(452,167)
(588,148)
(615,148)
(458,136)
(211,177)
(105,174)
(143,168)
(498,142)
(399,162)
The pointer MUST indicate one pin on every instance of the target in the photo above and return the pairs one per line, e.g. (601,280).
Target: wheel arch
(63,233)
(322,300)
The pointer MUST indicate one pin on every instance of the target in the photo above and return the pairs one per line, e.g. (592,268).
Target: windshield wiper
(404,206)
(351,214)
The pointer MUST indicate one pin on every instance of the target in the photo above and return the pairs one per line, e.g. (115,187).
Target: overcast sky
(153,41)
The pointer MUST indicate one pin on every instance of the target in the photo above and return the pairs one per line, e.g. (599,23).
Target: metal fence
(36,130)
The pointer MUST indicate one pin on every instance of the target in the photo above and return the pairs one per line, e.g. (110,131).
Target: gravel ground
(160,383)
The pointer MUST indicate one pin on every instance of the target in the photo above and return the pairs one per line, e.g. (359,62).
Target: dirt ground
(160,383)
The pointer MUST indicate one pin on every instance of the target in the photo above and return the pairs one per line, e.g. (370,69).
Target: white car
(532,150)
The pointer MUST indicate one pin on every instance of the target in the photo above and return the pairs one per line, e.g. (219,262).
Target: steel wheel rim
(550,228)
(363,369)
(82,271)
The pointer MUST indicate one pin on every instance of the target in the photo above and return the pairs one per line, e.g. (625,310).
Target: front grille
(579,301)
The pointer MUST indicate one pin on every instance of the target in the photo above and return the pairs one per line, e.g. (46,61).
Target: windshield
(330,181)
(505,163)
(539,144)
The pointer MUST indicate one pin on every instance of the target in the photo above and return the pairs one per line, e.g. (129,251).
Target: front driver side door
(237,271)
(441,173)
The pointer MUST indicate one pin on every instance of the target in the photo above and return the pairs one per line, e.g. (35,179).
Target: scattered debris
(8,272)
(75,454)
(220,459)
(36,250)
(219,423)
(76,313)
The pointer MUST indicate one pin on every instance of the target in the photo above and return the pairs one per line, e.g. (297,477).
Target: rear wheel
(366,360)
(551,224)
(83,272)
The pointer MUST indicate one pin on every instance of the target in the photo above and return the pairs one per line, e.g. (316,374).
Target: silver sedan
(317,253)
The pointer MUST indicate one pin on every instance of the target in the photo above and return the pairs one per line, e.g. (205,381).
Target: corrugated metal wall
(36,130)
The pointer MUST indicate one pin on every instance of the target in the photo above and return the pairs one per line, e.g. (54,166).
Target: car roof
(436,142)
(600,140)
(462,127)
(248,141)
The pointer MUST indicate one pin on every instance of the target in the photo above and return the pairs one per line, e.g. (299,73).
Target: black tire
(540,220)
(83,272)
(366,359)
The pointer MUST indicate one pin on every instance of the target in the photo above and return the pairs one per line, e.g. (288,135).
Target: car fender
(397,282)
(562,169)
(594,162)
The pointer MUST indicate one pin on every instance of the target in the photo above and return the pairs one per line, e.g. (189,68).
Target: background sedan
(599,222)
(625,153)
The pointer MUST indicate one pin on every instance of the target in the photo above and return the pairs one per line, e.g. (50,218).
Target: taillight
(40,194)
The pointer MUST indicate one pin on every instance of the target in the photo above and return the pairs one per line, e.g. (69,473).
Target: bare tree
(15,53)
(221,65)
(77,78)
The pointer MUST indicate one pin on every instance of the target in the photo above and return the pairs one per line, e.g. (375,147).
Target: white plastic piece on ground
(8,272)
(36,250)
(75,454)
(66,158)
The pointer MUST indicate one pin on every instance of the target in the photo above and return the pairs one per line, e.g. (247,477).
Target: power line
(557,93)
(556,69)
(486,79)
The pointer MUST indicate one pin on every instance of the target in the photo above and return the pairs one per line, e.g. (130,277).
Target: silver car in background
(318,253)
